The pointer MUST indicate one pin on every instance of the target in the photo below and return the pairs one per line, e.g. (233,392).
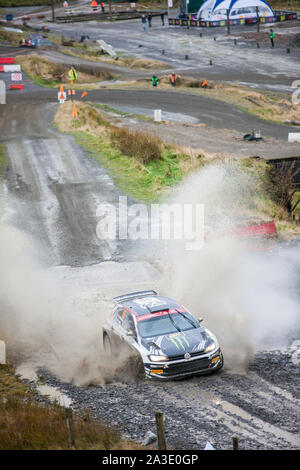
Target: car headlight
(158,358)
(210,347)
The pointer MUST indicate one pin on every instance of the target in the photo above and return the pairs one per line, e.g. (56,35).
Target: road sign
(62,96)
(16,77)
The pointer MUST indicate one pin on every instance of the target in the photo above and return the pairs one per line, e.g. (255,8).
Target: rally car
(169,342)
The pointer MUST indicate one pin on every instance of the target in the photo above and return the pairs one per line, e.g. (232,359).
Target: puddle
(165,116)
(55,395)
(27,371)
(262,425)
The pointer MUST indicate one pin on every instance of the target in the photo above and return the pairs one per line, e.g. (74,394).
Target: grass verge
(2,159)
(151,177)
(141,164)
(49,74)
(29,423)
(94,53)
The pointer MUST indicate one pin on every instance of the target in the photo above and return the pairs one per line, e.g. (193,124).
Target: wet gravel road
(261,407)
(52,191)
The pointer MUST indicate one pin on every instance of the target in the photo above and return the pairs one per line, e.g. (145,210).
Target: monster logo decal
(179,340)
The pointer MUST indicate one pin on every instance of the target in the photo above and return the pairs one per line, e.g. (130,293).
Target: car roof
(149,304)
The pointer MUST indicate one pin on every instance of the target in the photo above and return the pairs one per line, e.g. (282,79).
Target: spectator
(154,80)
(144,22)
(149,20)
(272,36)
(162,16)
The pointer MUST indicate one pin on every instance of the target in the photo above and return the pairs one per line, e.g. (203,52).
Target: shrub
(140,145)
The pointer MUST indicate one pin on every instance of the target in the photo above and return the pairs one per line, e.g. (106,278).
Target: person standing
(162,17)
(154,80)
(149,20)
(102,7)
(173,78)
(144,22)
(72,75)
(272,36)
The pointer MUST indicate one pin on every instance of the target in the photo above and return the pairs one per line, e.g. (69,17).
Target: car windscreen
(167,324)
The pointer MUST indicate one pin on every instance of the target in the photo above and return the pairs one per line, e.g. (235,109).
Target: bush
(140,145)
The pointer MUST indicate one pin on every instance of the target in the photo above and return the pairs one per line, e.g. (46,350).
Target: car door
(119,337)
(129,326)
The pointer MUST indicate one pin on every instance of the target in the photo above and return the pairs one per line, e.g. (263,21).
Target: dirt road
(52,192)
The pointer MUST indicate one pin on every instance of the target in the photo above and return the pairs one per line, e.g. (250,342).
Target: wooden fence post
(235,443)
(258,19)
(228,22)
(69,416)
(159,419)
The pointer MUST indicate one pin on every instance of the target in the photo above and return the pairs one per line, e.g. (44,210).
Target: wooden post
(258,19)
(235,443)
(110,10)
(53,11)
(159,419)
(228,22)
(69,416)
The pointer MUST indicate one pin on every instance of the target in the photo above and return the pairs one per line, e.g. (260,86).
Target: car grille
(181,356)
(188,366)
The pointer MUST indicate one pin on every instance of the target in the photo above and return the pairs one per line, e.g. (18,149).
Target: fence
(190,22)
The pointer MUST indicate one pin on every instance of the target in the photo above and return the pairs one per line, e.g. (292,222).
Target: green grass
(109,109)
(26,423)
(145,182)
(2,159)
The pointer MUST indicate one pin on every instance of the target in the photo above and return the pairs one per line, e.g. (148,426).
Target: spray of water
(245,297)
(40,324)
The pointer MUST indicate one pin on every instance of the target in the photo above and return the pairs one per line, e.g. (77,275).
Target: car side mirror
(200,319)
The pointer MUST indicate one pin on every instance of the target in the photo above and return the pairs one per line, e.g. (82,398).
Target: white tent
(219,11)
(206,9)
(247,8)
(213,10)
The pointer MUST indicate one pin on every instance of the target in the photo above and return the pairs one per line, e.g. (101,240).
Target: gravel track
(53,189)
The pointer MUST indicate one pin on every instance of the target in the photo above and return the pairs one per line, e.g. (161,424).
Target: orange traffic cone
(74,112)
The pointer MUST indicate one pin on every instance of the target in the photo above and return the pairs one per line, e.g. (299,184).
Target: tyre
(107,345)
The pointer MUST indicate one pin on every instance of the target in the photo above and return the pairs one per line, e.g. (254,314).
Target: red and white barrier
(7,60)
(15,86)
(268,228)
(10,68)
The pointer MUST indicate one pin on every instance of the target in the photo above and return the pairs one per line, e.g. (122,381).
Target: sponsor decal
(179,340)
(215,359)
(159,314)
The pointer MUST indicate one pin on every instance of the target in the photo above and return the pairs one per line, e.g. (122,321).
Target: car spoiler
(133,295)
